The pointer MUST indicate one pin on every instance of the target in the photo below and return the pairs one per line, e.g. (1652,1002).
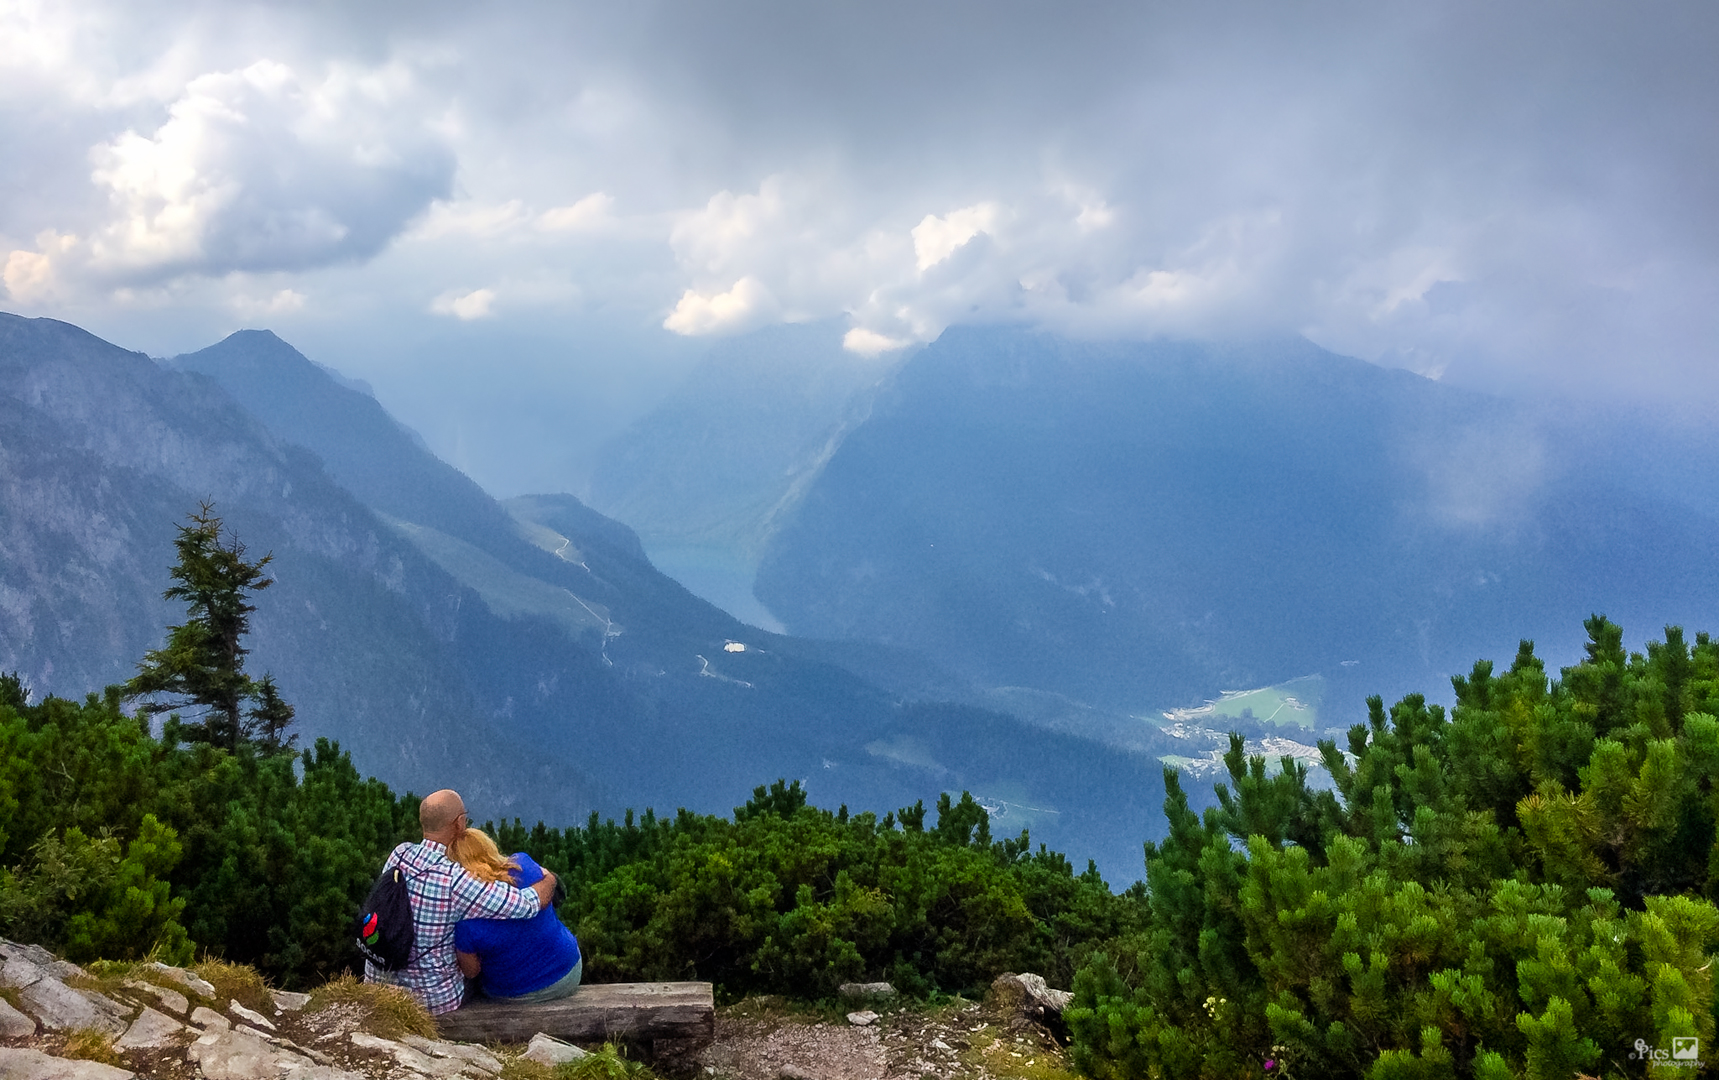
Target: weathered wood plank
(631,1012)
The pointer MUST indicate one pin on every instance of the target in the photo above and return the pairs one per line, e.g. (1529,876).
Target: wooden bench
(628,1012)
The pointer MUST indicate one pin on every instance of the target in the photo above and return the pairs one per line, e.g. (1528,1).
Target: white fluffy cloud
(937,238)
(255,169)
(465,306)
(744,306)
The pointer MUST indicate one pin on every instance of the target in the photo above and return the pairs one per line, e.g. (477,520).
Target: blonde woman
(534,959)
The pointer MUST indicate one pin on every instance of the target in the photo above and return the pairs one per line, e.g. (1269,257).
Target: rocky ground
(220,1022)
(765,1039)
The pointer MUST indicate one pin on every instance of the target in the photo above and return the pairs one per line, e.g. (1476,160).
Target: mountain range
(1135,526)
(1094,536)
(525,651)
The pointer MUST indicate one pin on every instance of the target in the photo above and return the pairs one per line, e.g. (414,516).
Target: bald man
(442,894)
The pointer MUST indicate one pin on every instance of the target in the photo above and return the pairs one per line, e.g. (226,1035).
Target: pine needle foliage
(202,666)
(1520,888)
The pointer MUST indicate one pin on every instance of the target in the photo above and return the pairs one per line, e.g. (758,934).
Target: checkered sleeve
(492,900)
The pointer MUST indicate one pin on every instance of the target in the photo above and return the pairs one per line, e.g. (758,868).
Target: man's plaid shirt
(442,894)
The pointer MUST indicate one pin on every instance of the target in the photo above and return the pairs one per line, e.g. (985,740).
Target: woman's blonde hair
(475,851)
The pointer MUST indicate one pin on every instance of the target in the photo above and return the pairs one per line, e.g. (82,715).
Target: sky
(522,222)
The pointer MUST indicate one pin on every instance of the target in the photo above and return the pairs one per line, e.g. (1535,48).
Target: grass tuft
(608,1062)
(235,982)
(111,969)
(515,1067)
(101,976)
(88,1044)
(389,1011)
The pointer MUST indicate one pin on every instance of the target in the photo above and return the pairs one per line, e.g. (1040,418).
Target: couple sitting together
(478,915)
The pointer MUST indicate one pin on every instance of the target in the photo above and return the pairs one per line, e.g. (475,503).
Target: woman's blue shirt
(519,955)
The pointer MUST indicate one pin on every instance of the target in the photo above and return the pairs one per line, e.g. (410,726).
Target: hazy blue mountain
(610,665)
(102,452)
(708,475)
(1135,526)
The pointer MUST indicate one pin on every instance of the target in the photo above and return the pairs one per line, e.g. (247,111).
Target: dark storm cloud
(1516,196)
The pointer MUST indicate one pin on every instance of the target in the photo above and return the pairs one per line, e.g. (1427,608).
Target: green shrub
(1520,888)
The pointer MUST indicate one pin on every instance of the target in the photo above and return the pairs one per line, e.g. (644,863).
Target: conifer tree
(203,663)
(269,718)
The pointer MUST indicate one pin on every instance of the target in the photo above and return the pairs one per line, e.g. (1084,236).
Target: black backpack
(383,928)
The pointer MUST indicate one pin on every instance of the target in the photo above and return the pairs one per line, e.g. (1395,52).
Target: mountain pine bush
(1521,888)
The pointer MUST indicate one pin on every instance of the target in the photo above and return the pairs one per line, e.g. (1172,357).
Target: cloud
(593,212)
(465,306)
(871,343)
(279,302)
(29,275)
(259,169)
(448,218)
(742,307)
(1465,188)
(937,238)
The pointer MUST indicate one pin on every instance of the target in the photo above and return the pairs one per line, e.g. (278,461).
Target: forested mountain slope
(102,452)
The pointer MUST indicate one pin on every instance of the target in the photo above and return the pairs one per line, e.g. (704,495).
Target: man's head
(442,816)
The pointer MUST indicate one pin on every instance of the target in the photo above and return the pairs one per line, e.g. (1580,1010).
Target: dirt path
(760,1040)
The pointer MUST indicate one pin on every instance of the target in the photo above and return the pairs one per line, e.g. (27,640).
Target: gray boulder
(14,1024)
(409,1058)
(473,1055)
(249,1016)
(551,1051)
(209,1020)
(242,1055)
(150,1030)
(35,1065)
(172,1000)
(184,978)
(60,1008)
(41,958)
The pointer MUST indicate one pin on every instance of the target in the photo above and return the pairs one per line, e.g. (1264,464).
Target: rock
(939,1044)
(1028,996)
(14,1024)
(39,957)
(35,1065)
(33,954)
(60,1008)
(1053,1001)
(474,1055)
(315,1055)
(242,1055)
(210,1020)
(172,1000)
(862,991)
(322,1072)
(794,1072)
(287,1001)
(250,1016)
(19,973)
(551,1051)
(151,1029)
(184,978)
(865,1018)
(409,1058)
